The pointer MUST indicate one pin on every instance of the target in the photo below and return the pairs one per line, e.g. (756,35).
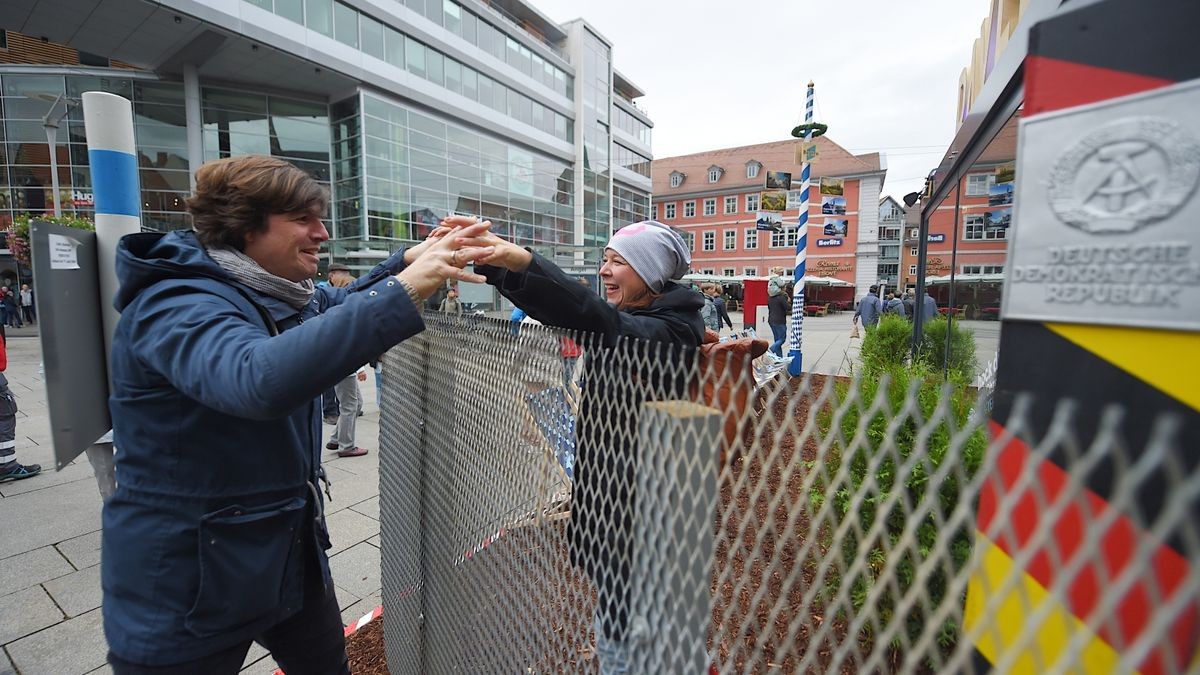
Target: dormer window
(676,179)
(714,173)
(752,169)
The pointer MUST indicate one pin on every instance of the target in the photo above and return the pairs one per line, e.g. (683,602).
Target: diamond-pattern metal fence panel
(642,508)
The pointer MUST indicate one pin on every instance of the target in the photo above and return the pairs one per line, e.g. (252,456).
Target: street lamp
(59,106)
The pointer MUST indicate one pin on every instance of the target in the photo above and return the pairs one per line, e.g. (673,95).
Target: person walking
(346,392)
(27,304)
(451,305)
(642,304)
(869,309)
(909,307)
(894,306)
(11,309)
(713,291)
(778,306)
(216,536)
(929,307)
(10,468)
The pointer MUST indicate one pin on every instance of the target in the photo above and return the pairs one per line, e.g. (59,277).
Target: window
(710,207)
(912,269)
(676,179)
(983,269)
(670,214)
(728,272)
(750,271)
(913,233)
(345,24)
(752,170)
(689,209)
(751,239)
(372,37)
(714,175)
(706,270)
(710,241)
(785,239)
(730,240)
(731,204)
(977,228)
(913,250)
(318,16)
(654,212)
(690,239)
(979,183)
(751,203)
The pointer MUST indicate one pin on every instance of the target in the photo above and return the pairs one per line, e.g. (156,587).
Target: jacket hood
(149,257)
(679,298)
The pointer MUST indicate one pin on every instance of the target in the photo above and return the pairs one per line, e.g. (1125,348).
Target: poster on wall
(806,153)
(779,180)
(995,221)
(836,227)
(833,186)
(769,221)
(1001,194)
(773,201)
(833,205)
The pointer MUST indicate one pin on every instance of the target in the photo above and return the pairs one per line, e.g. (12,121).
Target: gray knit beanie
(656,252)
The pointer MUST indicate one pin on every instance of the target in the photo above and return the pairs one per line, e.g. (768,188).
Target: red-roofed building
(713,198)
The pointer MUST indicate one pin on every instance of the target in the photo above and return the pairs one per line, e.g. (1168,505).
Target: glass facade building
(408,111)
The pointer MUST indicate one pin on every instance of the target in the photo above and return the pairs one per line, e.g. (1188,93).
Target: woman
(216,535)
(641,302)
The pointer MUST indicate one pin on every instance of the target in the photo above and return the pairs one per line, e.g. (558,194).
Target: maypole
(797,328)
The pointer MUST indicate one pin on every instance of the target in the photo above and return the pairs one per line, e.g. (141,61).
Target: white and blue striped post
(108,123)
(797,327)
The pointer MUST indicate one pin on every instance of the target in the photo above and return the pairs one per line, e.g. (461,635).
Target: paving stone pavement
(50,525)
(50,622)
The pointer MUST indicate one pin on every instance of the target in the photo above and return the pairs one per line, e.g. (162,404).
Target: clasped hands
(455,243)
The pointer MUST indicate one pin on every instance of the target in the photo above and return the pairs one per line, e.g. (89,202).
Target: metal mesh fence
(544,511)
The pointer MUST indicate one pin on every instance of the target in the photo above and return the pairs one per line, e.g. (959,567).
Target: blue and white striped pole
(108,122)
(797,327)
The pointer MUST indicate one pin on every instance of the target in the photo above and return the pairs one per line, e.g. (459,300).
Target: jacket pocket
(248,566)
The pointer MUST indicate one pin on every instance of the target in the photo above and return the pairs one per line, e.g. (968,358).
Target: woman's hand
(444,259)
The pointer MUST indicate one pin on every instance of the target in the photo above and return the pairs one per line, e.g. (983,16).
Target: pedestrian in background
(909,307)
(869,309)
(451,305)
(929,307)
(778,306)
(27,304)
(10,468)
(346,392)
(216,536)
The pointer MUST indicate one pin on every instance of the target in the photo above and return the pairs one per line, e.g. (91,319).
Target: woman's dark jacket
(643,355)
(217,518)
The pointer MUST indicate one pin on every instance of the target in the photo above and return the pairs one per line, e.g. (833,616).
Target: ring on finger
(454,258)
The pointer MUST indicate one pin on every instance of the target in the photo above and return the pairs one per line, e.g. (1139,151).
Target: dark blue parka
(217,517)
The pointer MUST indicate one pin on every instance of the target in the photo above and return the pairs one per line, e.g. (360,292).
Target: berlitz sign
(1107,221)
(824,243)
(936,238)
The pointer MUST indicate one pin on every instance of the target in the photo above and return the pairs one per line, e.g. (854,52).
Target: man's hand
(445,259)
(411,255)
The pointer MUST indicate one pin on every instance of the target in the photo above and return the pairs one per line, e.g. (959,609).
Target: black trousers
(310,642)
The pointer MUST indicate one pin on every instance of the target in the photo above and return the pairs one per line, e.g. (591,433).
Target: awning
(966,279)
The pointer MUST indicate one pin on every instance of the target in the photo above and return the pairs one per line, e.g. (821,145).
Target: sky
(723,73)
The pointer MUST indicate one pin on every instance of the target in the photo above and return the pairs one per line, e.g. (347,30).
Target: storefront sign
(824,243)
(936,266)
(829,268)
(82,198)
(1108,214)
(936,238)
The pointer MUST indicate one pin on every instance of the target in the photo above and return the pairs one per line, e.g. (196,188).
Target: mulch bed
(752,639)
(365,649)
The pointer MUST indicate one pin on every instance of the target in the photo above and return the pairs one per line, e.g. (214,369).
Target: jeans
(310,642)
(614,655)
(779,332)
(348,406)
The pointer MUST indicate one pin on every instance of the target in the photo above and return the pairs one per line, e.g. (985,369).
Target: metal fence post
(674,521)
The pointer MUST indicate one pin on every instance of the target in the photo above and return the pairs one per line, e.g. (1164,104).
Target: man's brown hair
(234,196)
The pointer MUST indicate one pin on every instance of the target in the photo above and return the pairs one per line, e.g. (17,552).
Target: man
(339,277)
(216,536)
(929,307)
(895,306)
(10,468)
(779,303)
(909,306)
(869,309)
(27,304)
(451,305)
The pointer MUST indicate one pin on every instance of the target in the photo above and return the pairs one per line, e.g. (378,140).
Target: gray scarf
(242,268)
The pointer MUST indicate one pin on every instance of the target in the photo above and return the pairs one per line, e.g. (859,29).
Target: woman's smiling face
(622,285)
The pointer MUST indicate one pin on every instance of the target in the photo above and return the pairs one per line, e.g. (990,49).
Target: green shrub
(886,346)
(889,437)
(961,364)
